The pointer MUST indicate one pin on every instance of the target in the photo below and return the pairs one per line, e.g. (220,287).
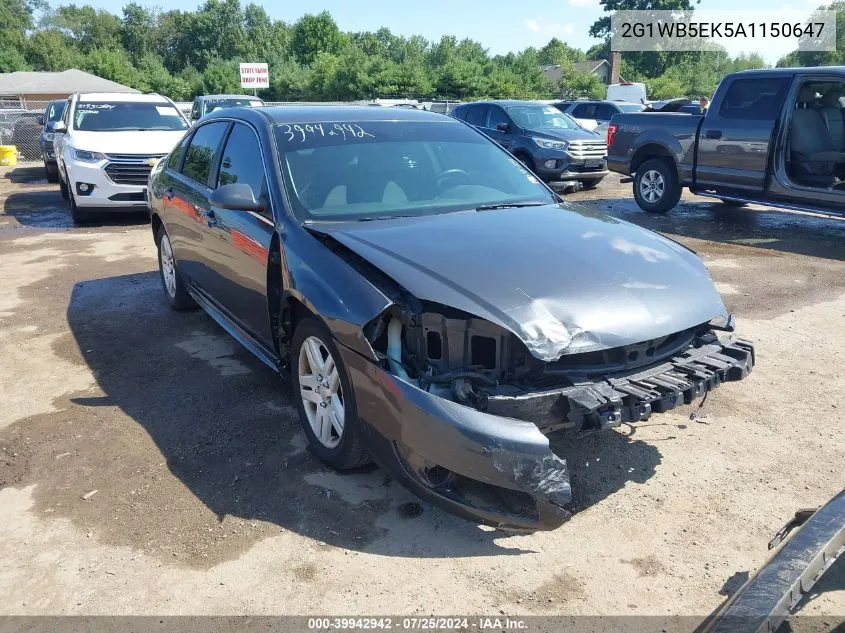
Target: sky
(500,25)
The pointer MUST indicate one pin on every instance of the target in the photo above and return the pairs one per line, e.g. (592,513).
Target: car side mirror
(59,127)
(40,119)
(503,127)
(236,196)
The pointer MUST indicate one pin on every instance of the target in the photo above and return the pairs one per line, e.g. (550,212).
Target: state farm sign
(255,76)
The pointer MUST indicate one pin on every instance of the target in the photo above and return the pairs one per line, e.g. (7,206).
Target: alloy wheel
(168,267)
(321,391)
(652,186)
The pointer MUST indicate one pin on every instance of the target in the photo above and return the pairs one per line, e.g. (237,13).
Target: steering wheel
(445,176)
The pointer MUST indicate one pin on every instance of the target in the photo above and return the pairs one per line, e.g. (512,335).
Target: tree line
(185,53)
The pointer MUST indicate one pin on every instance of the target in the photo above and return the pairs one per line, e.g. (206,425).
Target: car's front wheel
(171,281)
(324,397)
(656,187)
(78,216)
(63,188)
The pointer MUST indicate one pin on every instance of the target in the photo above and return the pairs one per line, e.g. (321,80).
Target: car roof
(117,97)
(232,96)
(505,103)
(318,114)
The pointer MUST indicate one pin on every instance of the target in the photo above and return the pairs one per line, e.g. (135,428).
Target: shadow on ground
(38,203)
(761,227)
(223,425)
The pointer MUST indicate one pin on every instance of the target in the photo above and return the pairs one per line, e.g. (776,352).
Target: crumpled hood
(561,278)
(565,135)
(127,142)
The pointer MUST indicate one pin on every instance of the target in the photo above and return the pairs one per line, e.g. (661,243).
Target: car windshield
(630,107)
(535,117)
(55,111)
(231,102)
(373,170)
(115,116)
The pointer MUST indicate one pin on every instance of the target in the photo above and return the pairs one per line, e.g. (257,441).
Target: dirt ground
(149,465)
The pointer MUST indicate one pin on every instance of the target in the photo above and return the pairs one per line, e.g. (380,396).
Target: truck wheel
(656,187)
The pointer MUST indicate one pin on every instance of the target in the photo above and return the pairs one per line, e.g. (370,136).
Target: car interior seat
(813,156)
(831,111)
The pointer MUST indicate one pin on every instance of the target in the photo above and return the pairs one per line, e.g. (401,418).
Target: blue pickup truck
(774,137)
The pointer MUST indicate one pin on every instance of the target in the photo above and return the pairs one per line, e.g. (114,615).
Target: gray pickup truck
(775,137)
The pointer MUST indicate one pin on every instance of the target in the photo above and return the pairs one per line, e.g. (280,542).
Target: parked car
(600,112)
(8,116)
(52,114)
(209,103)
(26,131)
(434,304)
(774,136)
(627,92)
(545,140)
(587,124)
(106,145)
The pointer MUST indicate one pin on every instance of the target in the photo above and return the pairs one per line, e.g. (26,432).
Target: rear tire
(656,187)
(324,396)
(171,281)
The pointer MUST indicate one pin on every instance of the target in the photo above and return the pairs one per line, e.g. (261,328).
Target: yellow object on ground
(8,155)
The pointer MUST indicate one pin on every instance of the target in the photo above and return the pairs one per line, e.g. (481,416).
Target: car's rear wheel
(656,187)
(171,281)
(324,397)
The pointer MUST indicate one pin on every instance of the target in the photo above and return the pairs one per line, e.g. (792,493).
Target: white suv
(106,146)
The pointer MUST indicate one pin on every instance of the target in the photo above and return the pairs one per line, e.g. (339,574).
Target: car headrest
(831,98)
(807,94)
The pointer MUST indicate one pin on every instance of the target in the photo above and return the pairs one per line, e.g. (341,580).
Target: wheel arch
(652,150)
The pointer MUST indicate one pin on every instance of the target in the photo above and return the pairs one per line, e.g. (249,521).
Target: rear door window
(476,114)
(203,151)
(754,99)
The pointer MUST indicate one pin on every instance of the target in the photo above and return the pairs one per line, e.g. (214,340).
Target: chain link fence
(20,127)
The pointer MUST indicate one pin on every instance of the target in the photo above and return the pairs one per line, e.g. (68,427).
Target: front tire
(590,184)
(324,397)
(78,216)
(656,187)
(63,188)
(171,281)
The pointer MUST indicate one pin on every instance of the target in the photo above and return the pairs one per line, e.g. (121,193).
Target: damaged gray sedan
(437,308)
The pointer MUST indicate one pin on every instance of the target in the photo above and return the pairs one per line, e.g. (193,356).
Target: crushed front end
(462,409)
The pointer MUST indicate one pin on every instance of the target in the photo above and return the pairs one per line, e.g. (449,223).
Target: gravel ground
(149,465)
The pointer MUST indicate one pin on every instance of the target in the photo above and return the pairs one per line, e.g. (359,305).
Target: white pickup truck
(106,145)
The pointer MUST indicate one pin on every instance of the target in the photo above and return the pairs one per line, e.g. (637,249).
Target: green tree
(89,28)
(557,52)
(50,49)
(221,77)
(113,64)
(138,31)
(12,61)
(314,34)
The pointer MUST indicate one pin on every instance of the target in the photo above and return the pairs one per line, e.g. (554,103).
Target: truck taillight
(611,131)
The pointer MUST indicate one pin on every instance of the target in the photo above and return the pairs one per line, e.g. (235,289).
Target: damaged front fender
(494,470)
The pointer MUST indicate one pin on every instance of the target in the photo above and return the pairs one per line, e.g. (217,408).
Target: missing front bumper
(608,401)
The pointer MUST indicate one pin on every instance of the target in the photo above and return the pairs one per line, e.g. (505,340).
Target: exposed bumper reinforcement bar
(606,402)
